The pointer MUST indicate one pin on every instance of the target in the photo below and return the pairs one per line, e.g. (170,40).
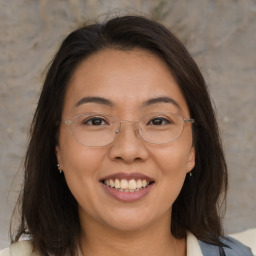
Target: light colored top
(248,238)
(193,247)
(24,248)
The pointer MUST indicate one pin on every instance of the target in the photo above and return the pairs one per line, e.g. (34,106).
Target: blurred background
(220,35)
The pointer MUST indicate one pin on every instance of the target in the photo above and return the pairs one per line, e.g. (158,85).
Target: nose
(128,145)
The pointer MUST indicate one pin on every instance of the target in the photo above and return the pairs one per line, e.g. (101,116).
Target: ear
(191,160)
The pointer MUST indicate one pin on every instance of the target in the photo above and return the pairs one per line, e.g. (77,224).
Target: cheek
(172,160)
(80,164)
(173,166)
(77,158)
(81,170)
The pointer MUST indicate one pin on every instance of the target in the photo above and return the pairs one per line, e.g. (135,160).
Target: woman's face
(128,85)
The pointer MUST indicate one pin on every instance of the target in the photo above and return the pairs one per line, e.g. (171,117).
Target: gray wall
(221,35)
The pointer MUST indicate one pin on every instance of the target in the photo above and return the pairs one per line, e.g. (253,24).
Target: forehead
(126,78)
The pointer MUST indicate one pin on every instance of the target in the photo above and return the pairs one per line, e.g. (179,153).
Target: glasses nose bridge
(126,122)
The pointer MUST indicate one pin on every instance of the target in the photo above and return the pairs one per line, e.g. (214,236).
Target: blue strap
(234,248)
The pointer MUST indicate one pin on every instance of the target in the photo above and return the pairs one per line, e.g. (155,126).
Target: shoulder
(22,248)
(233,248)
(5,252)
(236,248)
(248,238)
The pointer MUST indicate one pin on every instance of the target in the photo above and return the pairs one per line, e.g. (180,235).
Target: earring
(190,173)
(58,166)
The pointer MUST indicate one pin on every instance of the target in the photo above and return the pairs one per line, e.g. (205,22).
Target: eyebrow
(104,101)
(161,100)
(98,100)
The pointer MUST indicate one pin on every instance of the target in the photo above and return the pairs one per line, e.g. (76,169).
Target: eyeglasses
(97,130)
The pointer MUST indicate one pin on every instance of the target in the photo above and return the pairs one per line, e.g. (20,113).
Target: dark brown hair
(49,210)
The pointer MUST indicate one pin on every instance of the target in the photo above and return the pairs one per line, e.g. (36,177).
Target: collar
(193,247)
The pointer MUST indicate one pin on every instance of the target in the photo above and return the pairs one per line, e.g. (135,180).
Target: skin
(111,227)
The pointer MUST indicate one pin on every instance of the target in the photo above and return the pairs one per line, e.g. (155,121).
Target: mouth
(127,186)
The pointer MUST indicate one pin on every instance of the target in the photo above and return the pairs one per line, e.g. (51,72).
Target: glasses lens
(95,130)
(98,130)
(161,128)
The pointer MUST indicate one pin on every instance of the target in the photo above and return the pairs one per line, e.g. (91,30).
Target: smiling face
(127,85)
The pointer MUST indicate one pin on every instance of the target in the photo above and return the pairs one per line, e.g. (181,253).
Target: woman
(125,156)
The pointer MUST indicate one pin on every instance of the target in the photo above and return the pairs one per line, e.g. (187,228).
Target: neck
(97,239)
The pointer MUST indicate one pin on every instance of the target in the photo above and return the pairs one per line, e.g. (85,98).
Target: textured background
(221,35)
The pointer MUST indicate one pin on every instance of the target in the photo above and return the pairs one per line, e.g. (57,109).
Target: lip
(127,196)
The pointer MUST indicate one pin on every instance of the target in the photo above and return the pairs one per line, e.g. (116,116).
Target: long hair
(48,209)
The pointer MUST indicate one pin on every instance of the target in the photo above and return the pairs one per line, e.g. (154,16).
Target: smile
(127,187)
(124,185)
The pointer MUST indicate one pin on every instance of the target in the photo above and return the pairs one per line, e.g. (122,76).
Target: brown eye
(95,121)
(159,121)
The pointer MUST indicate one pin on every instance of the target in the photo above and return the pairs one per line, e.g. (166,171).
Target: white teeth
(117,183)
(124,185)
(139,183)
(144,183)
(112,184)
(132,184)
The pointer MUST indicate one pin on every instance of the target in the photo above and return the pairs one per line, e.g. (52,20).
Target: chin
(129,226)
(129,220)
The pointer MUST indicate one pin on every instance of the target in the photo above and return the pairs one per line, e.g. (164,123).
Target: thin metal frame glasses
(98,130)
